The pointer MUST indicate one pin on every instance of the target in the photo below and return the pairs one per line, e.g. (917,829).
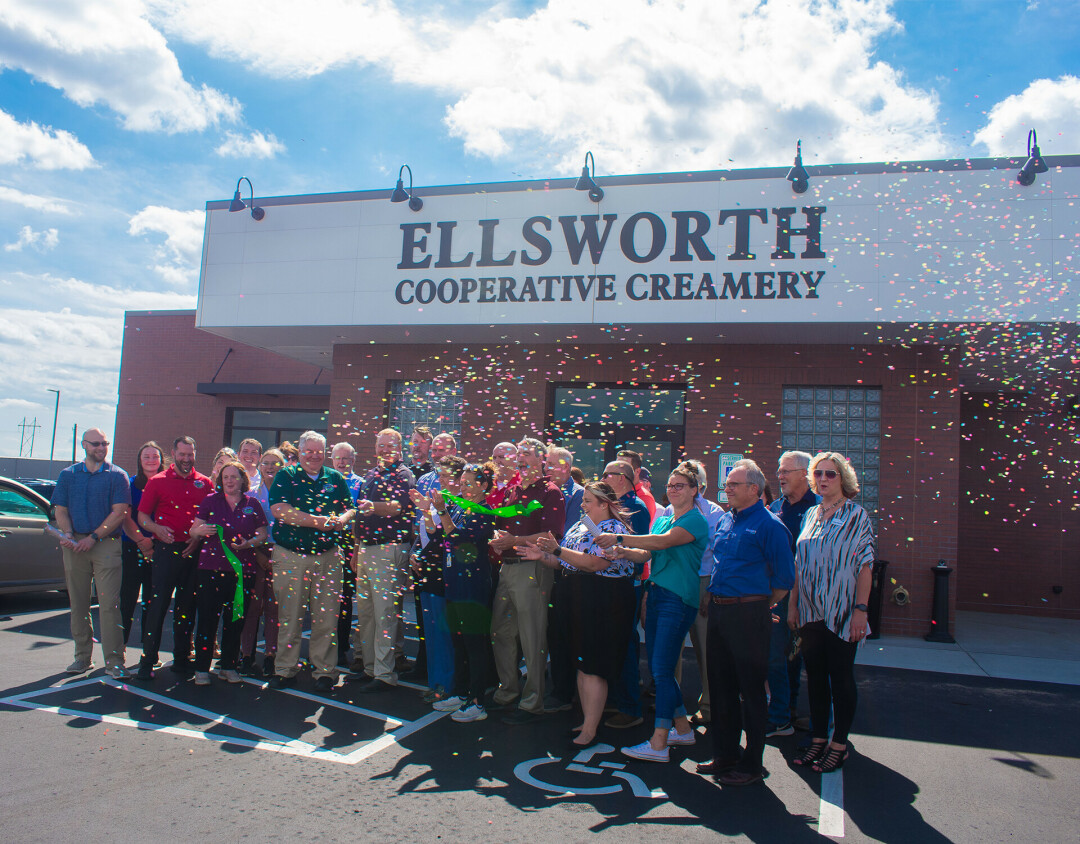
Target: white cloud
(41,146)
(182,251)
(42,241)
(645,85)
(107,52)
(46,204)
(1050,106)
(257,145)
(22,404)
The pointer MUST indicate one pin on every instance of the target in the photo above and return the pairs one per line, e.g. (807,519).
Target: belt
(512,558)
(724,600)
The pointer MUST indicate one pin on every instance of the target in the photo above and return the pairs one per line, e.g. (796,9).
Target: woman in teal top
(675,545)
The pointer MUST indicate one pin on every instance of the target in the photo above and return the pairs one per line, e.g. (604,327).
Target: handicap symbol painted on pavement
(580,764)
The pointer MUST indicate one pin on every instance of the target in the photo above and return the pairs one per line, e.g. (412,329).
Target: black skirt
(595,615)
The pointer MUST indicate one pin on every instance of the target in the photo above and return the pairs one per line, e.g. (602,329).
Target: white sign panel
(727,463)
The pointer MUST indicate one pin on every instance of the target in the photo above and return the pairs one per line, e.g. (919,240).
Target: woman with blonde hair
(833,554)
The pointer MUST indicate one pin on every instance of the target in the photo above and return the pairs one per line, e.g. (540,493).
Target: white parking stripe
(831,809)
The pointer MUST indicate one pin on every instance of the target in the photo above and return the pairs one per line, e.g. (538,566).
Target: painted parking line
(262,739)
(831,808)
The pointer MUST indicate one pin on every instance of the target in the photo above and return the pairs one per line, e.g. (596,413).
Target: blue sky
(119,119)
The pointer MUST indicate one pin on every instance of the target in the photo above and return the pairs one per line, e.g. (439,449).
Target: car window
(13,503)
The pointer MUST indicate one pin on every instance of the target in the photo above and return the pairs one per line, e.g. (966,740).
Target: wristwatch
(93,535)
(619,538)
(557,550)
(862,607)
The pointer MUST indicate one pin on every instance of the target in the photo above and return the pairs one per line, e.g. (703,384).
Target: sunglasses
(618,475)
(831,474)
(96,443)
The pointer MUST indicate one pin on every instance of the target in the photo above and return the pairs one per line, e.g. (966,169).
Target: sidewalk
(1011,647)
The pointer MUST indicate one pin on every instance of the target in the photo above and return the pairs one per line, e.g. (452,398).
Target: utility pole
(56,415)
(32,428)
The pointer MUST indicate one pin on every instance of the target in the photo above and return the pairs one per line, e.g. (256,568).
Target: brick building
(920,318)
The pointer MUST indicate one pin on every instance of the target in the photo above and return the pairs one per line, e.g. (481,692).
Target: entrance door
(595,423)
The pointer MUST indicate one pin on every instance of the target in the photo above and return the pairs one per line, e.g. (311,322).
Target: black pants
(737,655)
(830,661)
(563,672)
(470,630)
(171,572)
(135,576)
(345,612)
(215,598)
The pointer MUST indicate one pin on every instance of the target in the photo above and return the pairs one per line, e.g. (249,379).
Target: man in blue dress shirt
(754,570)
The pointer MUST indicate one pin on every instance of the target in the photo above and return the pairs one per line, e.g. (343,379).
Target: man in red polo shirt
(521,598)
(169,504)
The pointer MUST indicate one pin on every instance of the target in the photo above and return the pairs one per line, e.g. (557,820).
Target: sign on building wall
(727,463)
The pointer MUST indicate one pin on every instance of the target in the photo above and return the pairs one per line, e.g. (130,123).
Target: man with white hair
(754,570)
(795,499)
(312,504)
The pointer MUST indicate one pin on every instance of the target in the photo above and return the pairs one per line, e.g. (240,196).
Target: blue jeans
(667,621)
(779,682)
(627,692)
(440,647)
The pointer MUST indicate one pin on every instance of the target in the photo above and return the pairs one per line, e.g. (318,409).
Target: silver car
(30,559)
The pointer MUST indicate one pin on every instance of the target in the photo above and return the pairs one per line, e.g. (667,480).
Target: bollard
(939,620)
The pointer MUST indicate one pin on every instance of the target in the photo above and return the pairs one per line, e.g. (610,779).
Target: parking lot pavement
(936,758)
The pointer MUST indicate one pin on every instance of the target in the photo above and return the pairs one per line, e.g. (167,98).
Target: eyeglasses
(677,487)
(733,484)
(826,473)
(318,453)
(617,475)
(96,443)
(780,473)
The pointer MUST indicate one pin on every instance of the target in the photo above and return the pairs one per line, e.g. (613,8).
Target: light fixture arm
(238,203)
(587,179)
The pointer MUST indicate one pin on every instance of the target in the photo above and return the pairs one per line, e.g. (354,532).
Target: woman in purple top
(243,524)
(137,545)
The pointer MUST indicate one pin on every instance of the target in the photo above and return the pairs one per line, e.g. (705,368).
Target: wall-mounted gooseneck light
(586,180)
(400,194)
(797,175)
(1034,163)
(238,204)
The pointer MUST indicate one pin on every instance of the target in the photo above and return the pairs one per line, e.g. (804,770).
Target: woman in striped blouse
(833,554)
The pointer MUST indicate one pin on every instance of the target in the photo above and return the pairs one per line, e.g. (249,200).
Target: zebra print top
(829,557)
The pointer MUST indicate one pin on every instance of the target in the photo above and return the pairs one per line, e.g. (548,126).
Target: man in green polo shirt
(312,505)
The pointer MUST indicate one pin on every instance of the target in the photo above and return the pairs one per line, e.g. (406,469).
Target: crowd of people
(514,559)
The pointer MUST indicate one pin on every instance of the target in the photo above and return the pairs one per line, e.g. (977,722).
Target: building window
(272,427)
(436,404)
(842,419)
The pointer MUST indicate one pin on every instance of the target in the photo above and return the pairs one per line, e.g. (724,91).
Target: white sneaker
(80,666)
(117,672)
(646,753)
(202,678)
(448,704)
(674,737)
(230,675)
(472,712)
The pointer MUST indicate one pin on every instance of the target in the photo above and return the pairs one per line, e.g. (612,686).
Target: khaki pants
(698,635)
(300,581)
(101,565)
(520,613)
(381,580)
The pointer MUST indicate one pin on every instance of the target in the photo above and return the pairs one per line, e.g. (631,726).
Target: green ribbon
(507,512)
(238,567)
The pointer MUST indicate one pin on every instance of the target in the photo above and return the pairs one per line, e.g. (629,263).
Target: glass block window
(842,419)
(435,404)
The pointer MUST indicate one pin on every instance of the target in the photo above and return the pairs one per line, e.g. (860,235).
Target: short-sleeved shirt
(579,539)
(676,569)
(712,513)
(383,484)
(467,569)
(90,496)
(753,553)
(172,500)
(550,517)
(136,497)
(326,494)
(830,556)
(792,514)
(240,522)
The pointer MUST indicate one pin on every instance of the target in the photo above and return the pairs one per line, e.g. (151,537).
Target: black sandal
(811,754)
(833,760)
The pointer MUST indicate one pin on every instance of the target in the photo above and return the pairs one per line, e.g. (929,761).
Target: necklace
(823,511)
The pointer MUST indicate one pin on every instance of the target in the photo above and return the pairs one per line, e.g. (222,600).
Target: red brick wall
(164,358)
(1020,506)
(734,405)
